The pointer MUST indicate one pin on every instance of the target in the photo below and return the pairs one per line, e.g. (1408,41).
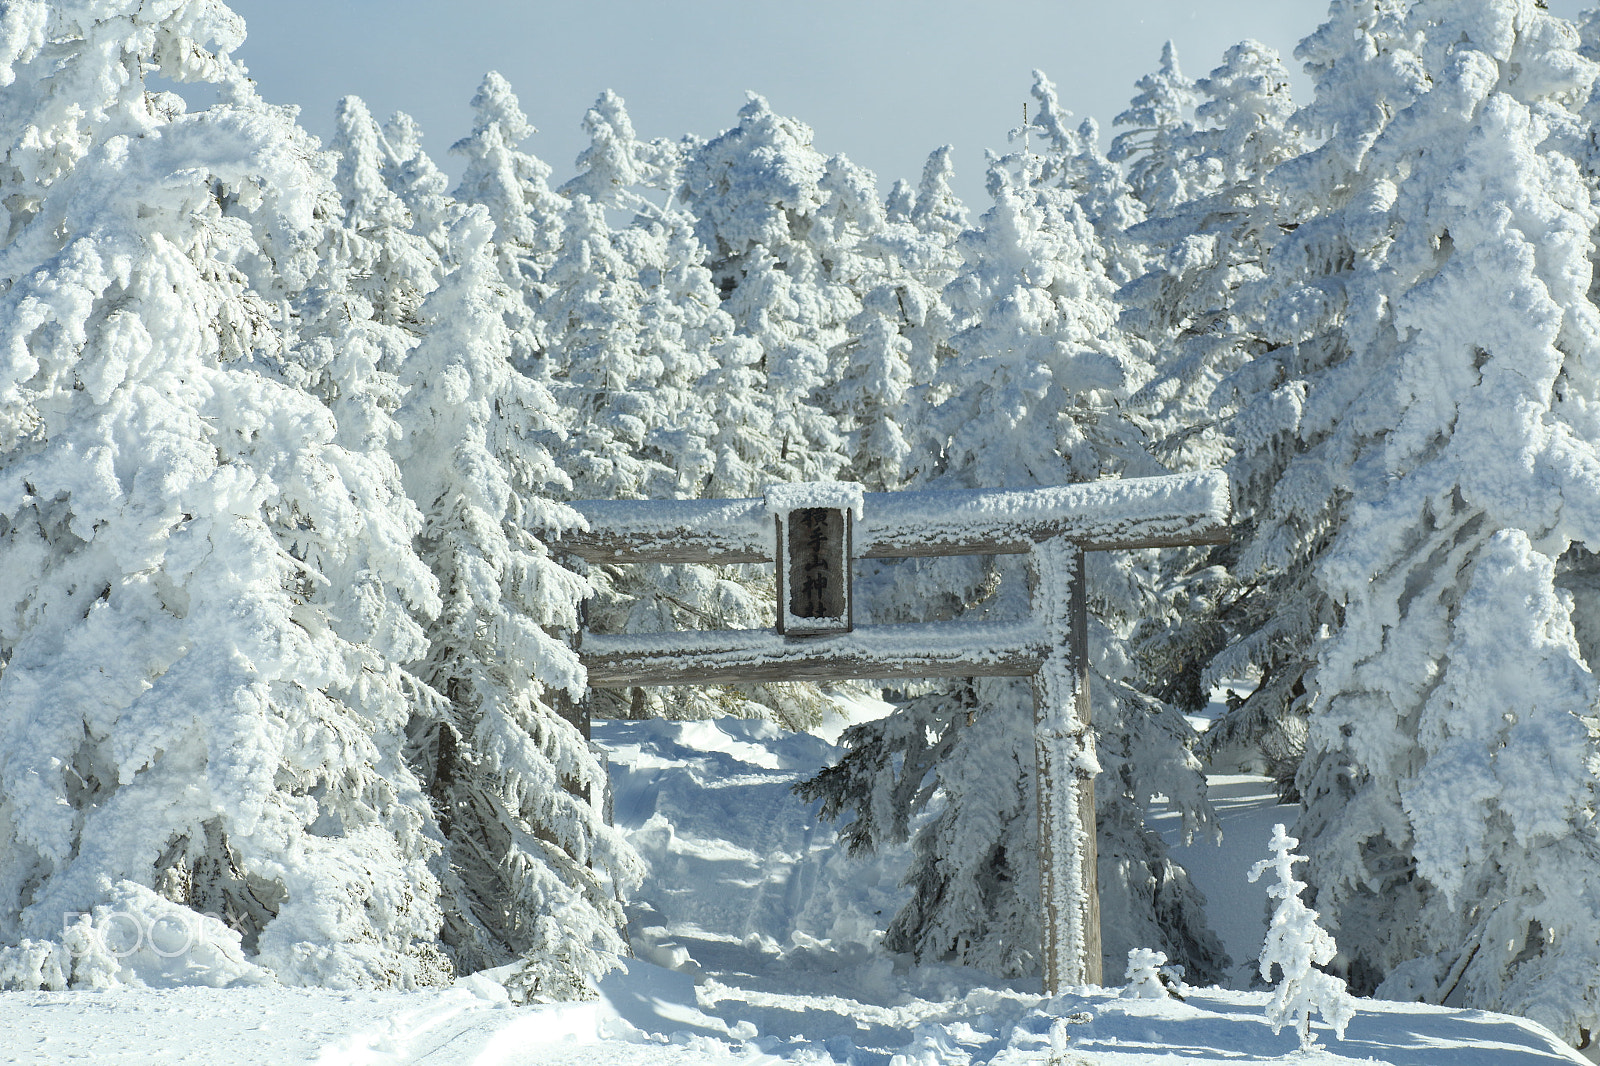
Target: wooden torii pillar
(816,530)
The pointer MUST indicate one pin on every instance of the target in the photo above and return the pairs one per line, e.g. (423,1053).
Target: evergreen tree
(206,590)
(1158,124)
(650,367)
(938,211)
(419,183)
(886,367)
(393,266)
(1208,247)
(527,858)
(356,317)
(758,194)
(528,217)
(610,378)
(593,308)
(1269,608)
(1414,478)
(1295,946)
(940,218)
(617,170)
(1035,383)
(1069,159)
(1207,254)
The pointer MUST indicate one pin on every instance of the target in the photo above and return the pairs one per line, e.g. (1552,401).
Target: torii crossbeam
(796,526)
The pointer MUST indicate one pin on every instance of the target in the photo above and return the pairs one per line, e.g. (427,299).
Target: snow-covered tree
(1034,387)
(356,314)
(205,590)
(1144,976)
(1068,159)
(528,865)
(1205,251)
(758,193)
(417,180)
(938,210)
(1267,609)
(889,382)
(626,378)
(528,216)
(392,265)
(1421,471)
(1152,144)
(885,371)
(1296,946)
(619,171)
(1205,247)
(635,334)
(592,311)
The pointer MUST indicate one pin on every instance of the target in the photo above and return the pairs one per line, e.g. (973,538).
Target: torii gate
(814,531)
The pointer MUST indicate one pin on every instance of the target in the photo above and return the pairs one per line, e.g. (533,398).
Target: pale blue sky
(883,81)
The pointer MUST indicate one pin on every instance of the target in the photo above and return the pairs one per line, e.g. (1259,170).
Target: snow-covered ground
(756,942)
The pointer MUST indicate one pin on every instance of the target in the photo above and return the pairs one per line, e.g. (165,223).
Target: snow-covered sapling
(1149,976)
(1297,945)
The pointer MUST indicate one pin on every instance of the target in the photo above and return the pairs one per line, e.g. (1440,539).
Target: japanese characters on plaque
(817,563)
(813,557)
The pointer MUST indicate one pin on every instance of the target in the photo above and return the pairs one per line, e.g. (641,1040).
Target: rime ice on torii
(809,531)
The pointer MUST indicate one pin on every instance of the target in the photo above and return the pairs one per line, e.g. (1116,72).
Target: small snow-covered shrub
(1297,945)
(1144,975)
(136,938)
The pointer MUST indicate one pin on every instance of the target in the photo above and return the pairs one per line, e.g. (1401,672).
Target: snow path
(768,935)
(1247,807)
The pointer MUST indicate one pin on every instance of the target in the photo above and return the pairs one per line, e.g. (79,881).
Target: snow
(285,436)
(1247,808)
(837,495)
(756,940)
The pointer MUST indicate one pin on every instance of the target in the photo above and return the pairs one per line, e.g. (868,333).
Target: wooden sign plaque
(814,572)
(814,526)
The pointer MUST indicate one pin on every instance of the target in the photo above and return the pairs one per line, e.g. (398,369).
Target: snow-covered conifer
(528,865)
(1434,472)
(884,372)
(1034,384)
(1295,946)
(1205,248)
(616,167)
(528,216)
(1144,975)
(1367,67)
(399,266)
(758,193)
(417,180)
(1069,159)
(205,593)
(356,315)
(635,332)
(938,210)
(592,307)
(1157,121)
(1204,252)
